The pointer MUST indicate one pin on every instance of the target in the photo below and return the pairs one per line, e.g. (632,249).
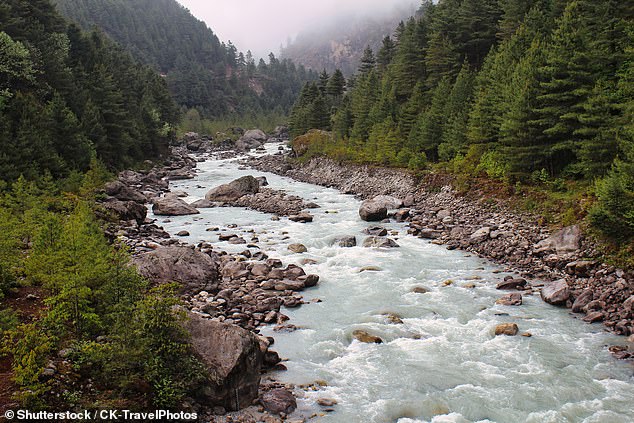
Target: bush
(613,214)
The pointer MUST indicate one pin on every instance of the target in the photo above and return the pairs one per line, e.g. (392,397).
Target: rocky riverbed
(594,291)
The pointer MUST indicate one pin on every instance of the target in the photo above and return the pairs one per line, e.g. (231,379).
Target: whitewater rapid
(443,363)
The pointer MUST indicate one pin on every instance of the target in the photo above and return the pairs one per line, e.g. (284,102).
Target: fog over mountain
(262,26)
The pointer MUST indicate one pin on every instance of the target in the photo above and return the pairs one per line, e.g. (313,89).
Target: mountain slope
(340,44)
(201,71)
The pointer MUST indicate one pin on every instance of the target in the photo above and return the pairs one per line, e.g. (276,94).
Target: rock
(393,318)
(234,190)
(194,270)
(582,301)
(279,401)
(204,204)
(288,285)
(297,248)
(509,329)
(372,211)
(233,359)
(517,283)
(370,269)
(301,218)
(592,317)
(556,293)
(388,201)
(375,231)
(172,207)
(378,242)
(180,174)
(512,299)
(347,241)
(420,290)
(481,234)
(183,233)
(235,270)
(255,134)
(567,240)
(363,336)
(309,280)
(326,402)
(123,192)
(442,214)
(126,210)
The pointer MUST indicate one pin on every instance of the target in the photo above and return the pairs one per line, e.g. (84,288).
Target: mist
(262,26)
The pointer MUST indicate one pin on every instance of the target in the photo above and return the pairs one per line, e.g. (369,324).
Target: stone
(327,402)
(126,210)
(309,280)
(372,211)
(234,190)
(516,283)
(378,242)
(172,206)
(183,233)
(582,301)
(204,204)
(556,293)
(194,270)
(363,336)
(512,299)
(481,234)
(370,269)
(123,192)
(347,241)
(262,181)
(278,401)
(233,360)
(509,329)
(297,248)
(375,231)
(301,218)
(592,317)
(388,201)
(420,290)
(567,240)
(393,318)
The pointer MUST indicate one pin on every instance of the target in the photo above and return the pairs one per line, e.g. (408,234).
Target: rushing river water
(443,364)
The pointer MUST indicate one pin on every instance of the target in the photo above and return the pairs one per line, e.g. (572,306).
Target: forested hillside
(70,102)
(67,96)
(339,44)
(536,92)
(201,71)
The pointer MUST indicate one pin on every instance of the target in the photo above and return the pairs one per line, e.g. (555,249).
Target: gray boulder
(194,270)
(388,201)
(204,204)
(378,242)
(172,206)
(567,240)
(556,293)
(347,241)
(372,211)
(255,134)
(123,192)
(234,190)
(279,401)
(126,210)
(233,359)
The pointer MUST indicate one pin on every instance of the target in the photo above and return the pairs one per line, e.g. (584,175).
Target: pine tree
(386,53)
(428,132)
(368,61)
(336,85)
(454,139)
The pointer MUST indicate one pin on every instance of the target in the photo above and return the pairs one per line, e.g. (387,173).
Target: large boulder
(126,210)
(556,293)
(234,190)
(123,192)
(372,211)
(172,206)
(233,359)
(193,269)
(255,134)
(567,240)
(279,401)
(388,201)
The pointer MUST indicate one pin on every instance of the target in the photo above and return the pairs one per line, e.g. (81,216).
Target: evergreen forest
(538,93)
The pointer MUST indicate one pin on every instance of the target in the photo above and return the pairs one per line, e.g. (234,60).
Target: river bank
(598,292)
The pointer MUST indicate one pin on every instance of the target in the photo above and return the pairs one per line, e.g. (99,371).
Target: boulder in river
(233,359)
(123,192)
(513,283)
(204,204)
(509,329)
(375,231)
(234,190)
(301,217)
(556,293)
(388,201)
(372,211)
(195,270)
(379,242)
(363,336)
(512,299)
(297,248)
(279,401)
(172,206)
(346,241)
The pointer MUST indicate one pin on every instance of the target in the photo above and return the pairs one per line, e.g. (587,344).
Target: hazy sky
(262,25)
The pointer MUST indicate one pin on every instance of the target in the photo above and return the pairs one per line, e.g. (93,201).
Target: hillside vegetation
(534,93)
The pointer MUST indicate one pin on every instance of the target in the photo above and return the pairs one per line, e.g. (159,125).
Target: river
(443,363)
